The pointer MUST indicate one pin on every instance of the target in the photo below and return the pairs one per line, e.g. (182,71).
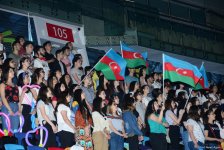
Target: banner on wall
(59,33)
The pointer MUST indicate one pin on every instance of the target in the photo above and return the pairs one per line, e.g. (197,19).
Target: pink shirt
(67,63)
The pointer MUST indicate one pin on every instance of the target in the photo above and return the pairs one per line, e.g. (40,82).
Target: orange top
(80,121)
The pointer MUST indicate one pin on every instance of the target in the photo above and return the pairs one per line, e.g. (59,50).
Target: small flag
(203,82)
(132,57)
(112,66)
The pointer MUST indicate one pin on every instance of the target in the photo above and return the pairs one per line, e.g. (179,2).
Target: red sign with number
(59,32)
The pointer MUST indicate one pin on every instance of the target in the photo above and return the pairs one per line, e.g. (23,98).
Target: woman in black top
(212,132)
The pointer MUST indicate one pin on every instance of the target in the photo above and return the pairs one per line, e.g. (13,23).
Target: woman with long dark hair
(28,97)
(66,79)
(173,121)
(156,125)
(212,132)
(101,126)
(66,129)
(38,77)
(195,129)
(116,125)
(24,66)
(115,89)
(10,97)
(131,124)
(83,118)
(142,75)
(45,114)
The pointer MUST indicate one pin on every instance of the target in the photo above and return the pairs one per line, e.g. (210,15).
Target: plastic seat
(145,138)
(13,147)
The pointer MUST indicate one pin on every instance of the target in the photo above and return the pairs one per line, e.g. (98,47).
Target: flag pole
(124,85)
(191,89)
(163,80)
(94,66)
(121,49)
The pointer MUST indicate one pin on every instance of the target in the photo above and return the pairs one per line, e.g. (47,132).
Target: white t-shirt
(78,72)
(27,98)
(49,110)
(62,125)
(146,100)
(198,129)
(168,118)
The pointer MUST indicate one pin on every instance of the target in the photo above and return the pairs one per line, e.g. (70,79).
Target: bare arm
(76,78)
(66,120)
(44,115)
(209,138)
(113,128)
(190,131)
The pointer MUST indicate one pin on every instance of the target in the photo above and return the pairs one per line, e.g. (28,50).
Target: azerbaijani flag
(132,57)
(203,82)
(112,66)
(178,70)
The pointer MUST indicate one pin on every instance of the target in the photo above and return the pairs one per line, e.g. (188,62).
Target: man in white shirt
(40,61)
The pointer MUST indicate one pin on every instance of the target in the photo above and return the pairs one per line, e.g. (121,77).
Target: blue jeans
(14,120)
(184,135)
(116,142)
(191,146)
(213,146)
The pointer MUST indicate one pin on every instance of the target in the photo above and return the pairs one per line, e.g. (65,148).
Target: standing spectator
(15,52)
(58,64)
(145,98)
(76,73)
(28,46)
(21,41)
(212,132)
(116,125)
(38,77)
(88,89)
(65,60)
(48,55)
(101,126)
(10,98)
(195,129)
(173,121)
(131,125)
(130,78)
(214,94)
(66,129)
(41,61)
(45,114)
(27,100)
(83,118)
(142,75)
(24,66)
(156,84)
(156,124)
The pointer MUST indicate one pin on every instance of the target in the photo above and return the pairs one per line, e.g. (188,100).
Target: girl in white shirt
(101,126)
(66,129)
(195,129)
(27,97)
(45,114)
